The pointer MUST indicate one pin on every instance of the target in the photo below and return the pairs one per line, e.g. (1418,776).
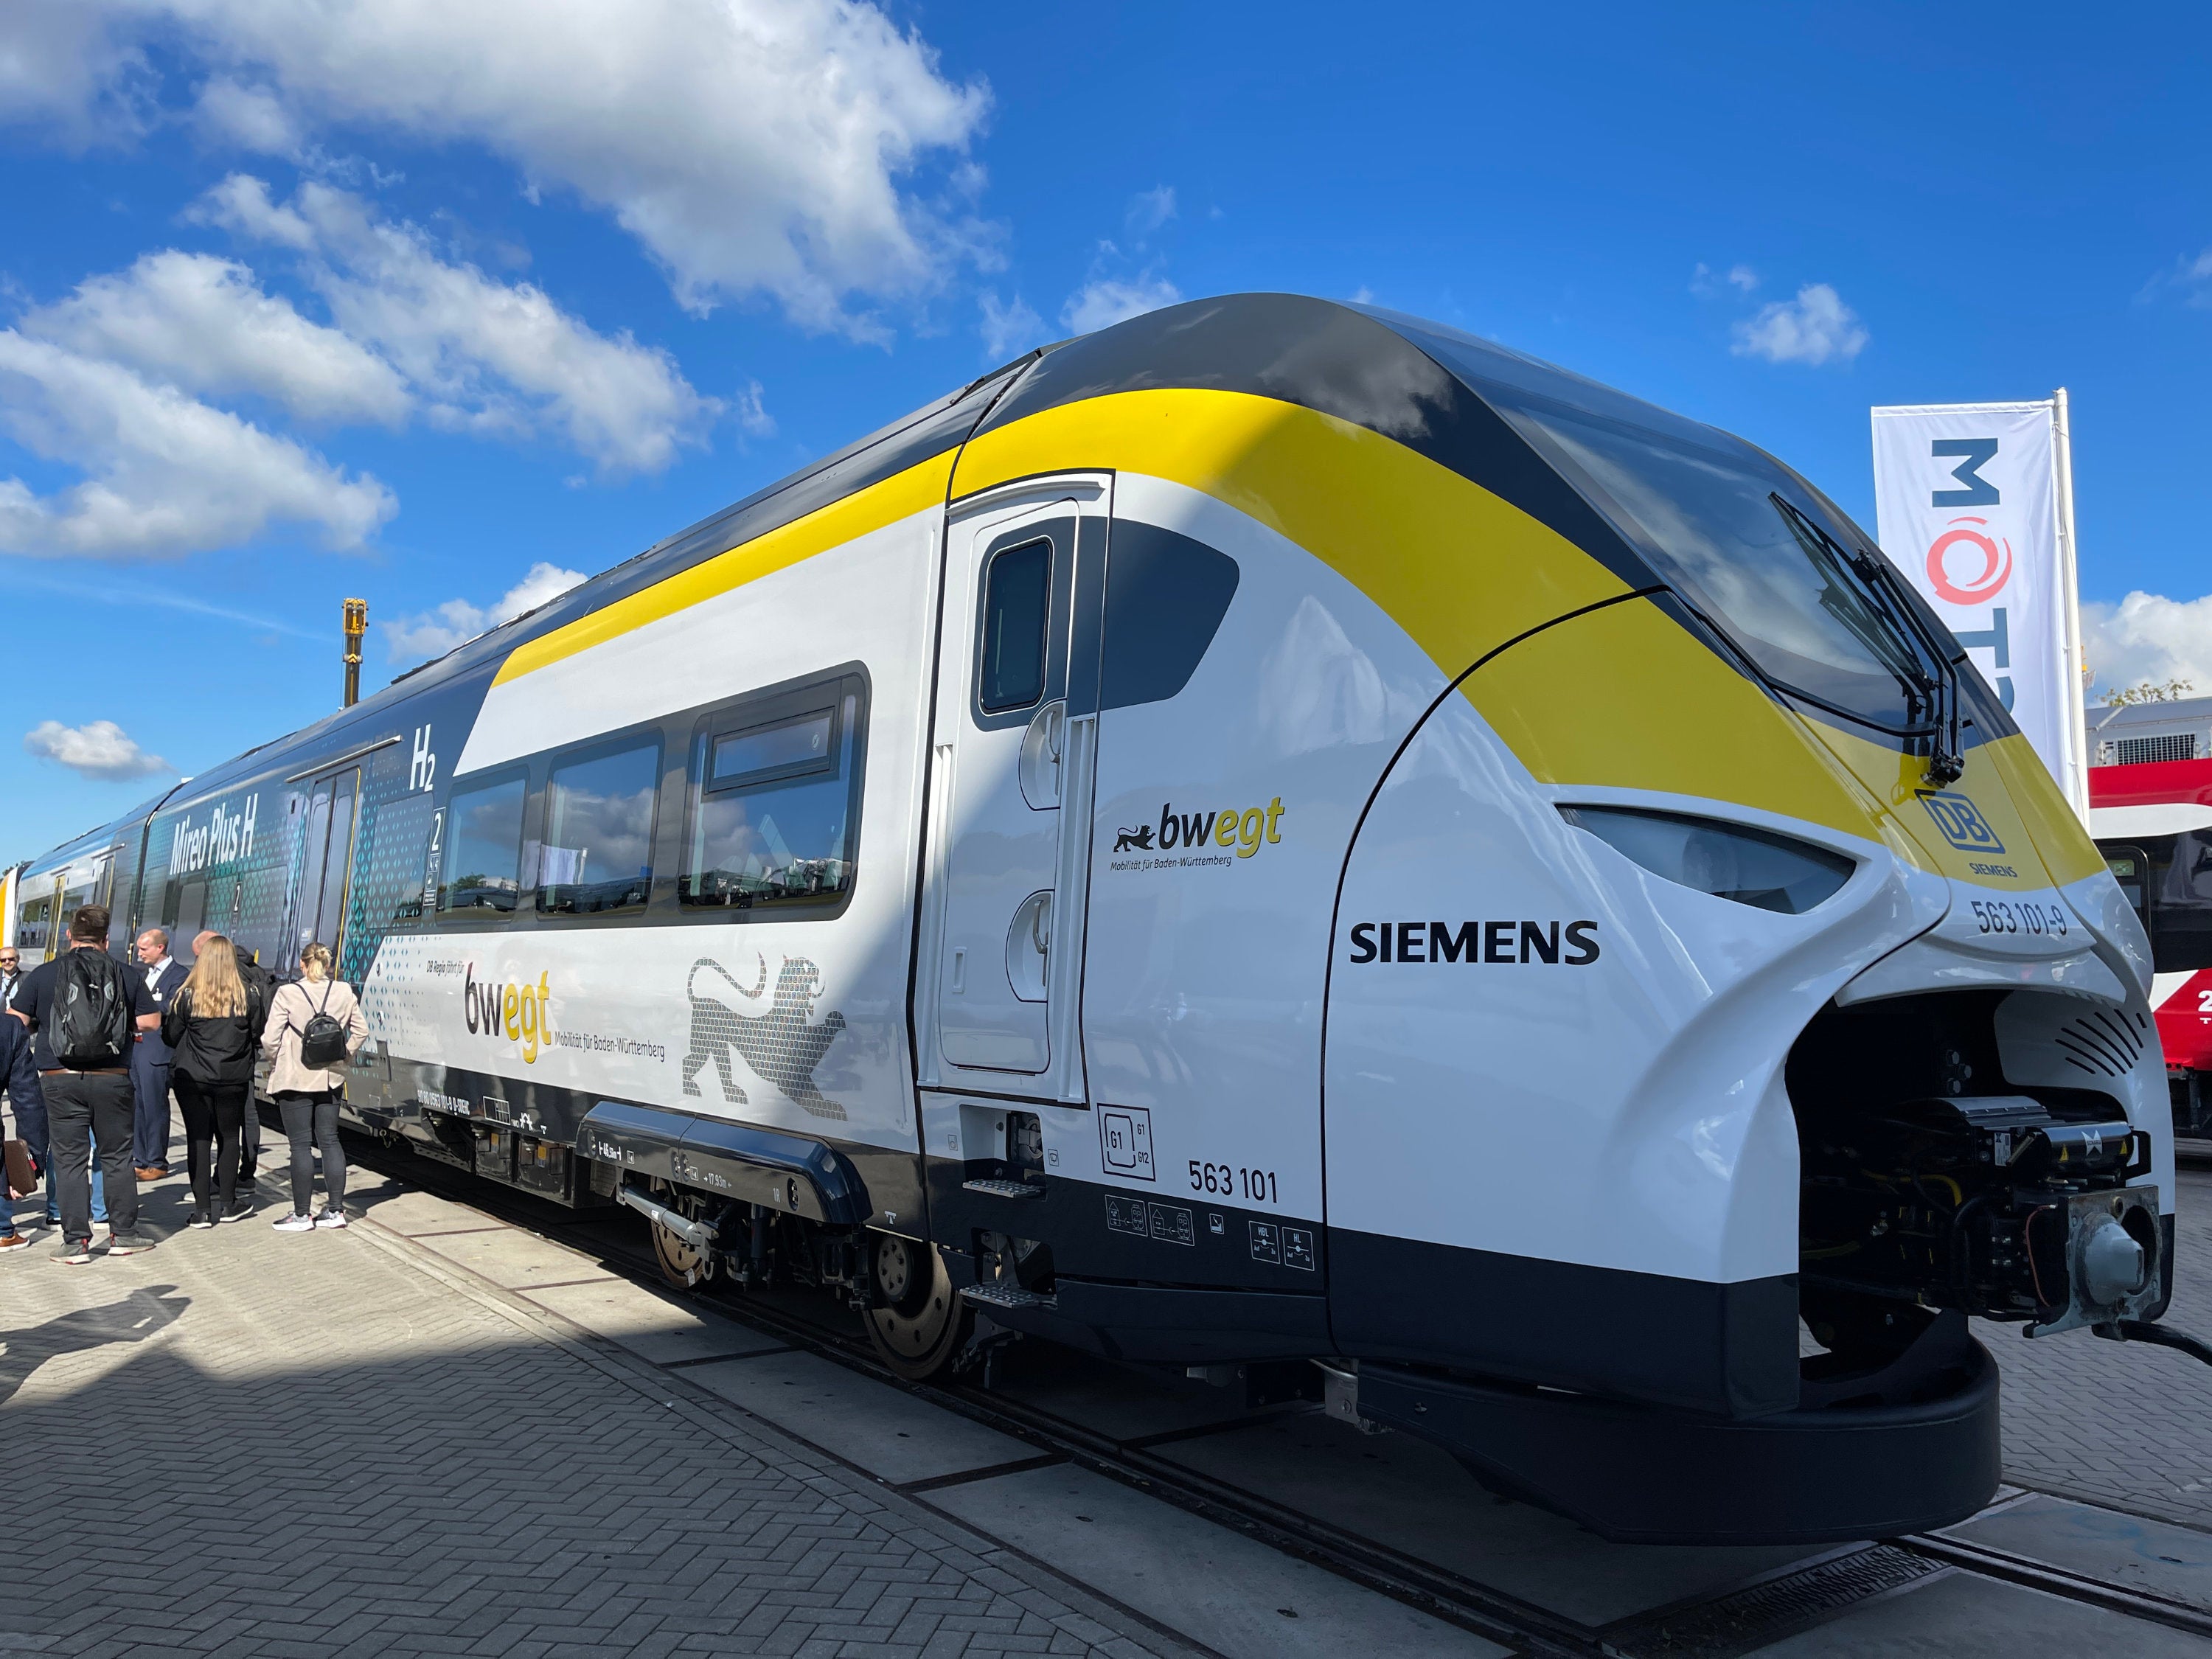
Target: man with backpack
(84,1009)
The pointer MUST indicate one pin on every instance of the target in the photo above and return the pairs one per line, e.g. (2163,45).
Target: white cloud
(66,70)
(1151,209)
(1816,327)
(2148,636)
(1104,300)
(1704,282)
(2193,276)
(1008,328)
(751,146)
(205,326)
(752,413)
(167,474)
(242,202)
(252,118)
(482,355)
(98,749)
(435,632)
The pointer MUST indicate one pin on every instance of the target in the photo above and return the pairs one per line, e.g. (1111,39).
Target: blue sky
(430,304)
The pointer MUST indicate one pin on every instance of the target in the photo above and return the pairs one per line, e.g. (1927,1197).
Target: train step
(1003,1189)
(1008,1297)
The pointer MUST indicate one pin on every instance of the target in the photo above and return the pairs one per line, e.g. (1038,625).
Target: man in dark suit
(149,1059)
(11,974)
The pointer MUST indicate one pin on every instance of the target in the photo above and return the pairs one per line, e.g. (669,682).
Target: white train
(1275,832)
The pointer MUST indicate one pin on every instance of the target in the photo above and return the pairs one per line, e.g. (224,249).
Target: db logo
(1981,585)
(1961,822)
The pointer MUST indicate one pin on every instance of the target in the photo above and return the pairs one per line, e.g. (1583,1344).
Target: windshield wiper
(1937,691)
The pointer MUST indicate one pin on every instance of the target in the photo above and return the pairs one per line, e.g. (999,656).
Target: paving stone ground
(2123,1423)
(436,1435)
(251,1443)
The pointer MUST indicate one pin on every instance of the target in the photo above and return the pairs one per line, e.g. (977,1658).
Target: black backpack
(89,1027)
(322,1039)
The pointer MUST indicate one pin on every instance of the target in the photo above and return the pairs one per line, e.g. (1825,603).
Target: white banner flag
(1973,503)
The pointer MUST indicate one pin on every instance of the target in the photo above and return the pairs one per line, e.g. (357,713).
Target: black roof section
(1409,380)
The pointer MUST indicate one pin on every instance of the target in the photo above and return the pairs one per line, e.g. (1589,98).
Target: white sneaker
(294,1224)
(328,1218)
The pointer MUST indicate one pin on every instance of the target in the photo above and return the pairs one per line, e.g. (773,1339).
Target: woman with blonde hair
(210,1025)
(315,1027)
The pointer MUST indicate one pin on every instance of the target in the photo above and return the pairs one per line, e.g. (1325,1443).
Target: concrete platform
(1233,1594)
(1957,1616)
(435,1431)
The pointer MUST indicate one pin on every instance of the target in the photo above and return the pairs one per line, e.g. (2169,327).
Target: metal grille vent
(2106,1043)
(2142,752)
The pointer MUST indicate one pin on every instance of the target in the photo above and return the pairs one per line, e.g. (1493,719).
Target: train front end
(1725,1009)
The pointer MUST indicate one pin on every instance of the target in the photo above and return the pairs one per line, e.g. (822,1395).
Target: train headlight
(1729,861)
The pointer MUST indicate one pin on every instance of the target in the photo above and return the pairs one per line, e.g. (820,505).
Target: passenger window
(1016,612)
(484,847)
(598,853)
(773,793)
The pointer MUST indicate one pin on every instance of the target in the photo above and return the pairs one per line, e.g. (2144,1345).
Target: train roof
(1432,388)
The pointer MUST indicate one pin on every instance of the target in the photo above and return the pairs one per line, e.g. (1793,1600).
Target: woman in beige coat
(307,1099)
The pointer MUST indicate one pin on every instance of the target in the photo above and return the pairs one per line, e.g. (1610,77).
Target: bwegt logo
(518,1012)
(1247,831)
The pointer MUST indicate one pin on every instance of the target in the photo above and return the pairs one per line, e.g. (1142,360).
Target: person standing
(257,982)
(151,1059)
(83,1007)
(20,1079)
(213,1023)
(11,974)
(307,1085)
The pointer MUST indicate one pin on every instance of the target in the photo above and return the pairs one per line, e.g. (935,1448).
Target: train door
(326,861)
(1014,741)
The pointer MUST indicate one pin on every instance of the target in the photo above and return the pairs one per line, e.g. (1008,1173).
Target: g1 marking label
(1960,822)
(1574,945)
(432,1101)
(1266,1242)
(1125,1140)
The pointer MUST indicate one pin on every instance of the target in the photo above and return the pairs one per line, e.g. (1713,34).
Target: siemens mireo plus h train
(1273,832)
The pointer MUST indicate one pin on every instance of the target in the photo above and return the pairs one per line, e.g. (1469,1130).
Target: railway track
(1736,1619)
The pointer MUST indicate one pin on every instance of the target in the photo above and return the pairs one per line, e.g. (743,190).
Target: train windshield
(1708,512)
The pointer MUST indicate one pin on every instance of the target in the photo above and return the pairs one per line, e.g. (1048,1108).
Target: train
(2152,819)
(1273,837)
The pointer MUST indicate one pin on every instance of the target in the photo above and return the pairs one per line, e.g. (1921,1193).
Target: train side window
(1017,616)
(192,914)
(483,846)
(597,846)
(775,793)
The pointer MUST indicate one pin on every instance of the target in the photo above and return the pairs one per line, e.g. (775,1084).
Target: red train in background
(2153,820)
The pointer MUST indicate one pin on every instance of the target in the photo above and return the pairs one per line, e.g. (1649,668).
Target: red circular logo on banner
(1988,582)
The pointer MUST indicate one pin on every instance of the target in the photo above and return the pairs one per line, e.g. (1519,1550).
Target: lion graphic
(781,1045)
(1138,840)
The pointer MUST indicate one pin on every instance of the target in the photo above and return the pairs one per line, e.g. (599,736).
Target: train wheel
(918,1324)
(683,1263)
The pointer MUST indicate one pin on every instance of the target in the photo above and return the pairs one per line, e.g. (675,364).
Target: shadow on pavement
(133,1319)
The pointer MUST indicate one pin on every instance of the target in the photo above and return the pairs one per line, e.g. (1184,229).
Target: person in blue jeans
(54,1198)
